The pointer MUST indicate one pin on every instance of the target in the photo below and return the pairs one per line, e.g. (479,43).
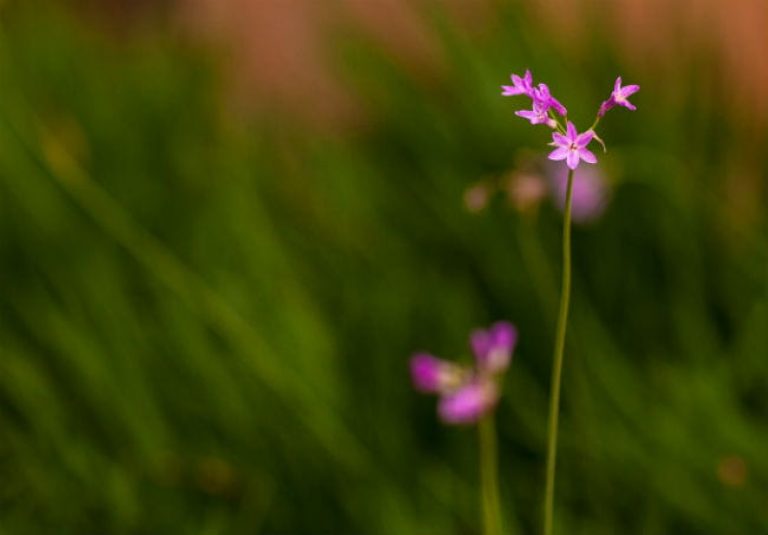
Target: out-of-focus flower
(467,393)
(477,196)
(619,97)
(526,191)
(732,471)
(523,85)
(572,146)
(590,192)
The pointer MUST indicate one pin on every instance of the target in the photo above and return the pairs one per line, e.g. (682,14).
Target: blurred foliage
(206,321)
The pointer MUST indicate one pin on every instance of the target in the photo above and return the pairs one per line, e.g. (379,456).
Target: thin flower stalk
(469,395)
(571,146)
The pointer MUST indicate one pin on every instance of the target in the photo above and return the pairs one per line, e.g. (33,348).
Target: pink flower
(544,98)
(572,147)
(522,86)
(619,97)
(538,115)
(467,394)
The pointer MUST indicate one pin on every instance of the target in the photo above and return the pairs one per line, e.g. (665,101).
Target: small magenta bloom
(572,147)
(469,403)
(538,115)
(544,98)
(522,85)
(619,97)
(493,347)
(467,393)
(541,97)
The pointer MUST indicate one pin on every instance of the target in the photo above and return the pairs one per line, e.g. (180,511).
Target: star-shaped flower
(522,85)
(538,115)
(572,146)
(544,98)
(619,97)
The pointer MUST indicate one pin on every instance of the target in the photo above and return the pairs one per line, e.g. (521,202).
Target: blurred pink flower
(467,394)
(590,191)
(476,197)
(526,191)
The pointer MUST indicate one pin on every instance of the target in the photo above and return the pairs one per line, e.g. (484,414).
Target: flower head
(522,85)
(572,146)
(467,394)
(544,98)
(619,97)
(538,115)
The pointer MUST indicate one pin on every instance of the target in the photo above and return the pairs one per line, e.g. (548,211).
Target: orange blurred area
(280,52)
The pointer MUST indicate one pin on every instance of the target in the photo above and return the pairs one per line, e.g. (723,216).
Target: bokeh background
(226,224)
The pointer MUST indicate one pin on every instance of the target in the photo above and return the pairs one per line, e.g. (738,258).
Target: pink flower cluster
(571,145)
(467,393)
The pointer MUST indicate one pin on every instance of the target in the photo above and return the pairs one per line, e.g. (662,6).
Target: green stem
(557,368)
(489,477)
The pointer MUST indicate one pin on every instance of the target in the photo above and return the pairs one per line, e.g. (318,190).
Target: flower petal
(560,139)
(503,335)
(559,108)
(572,132)
(560,153)
(508,90)
(469,403)
(617,84)
(630,90)
(572,159)
(480,341)
(431,374)
(527,114)
(493,348)
(587,155)
(582,140)
(605,106)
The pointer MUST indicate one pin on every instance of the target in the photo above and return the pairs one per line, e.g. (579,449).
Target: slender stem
(557,368)
(489,477)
